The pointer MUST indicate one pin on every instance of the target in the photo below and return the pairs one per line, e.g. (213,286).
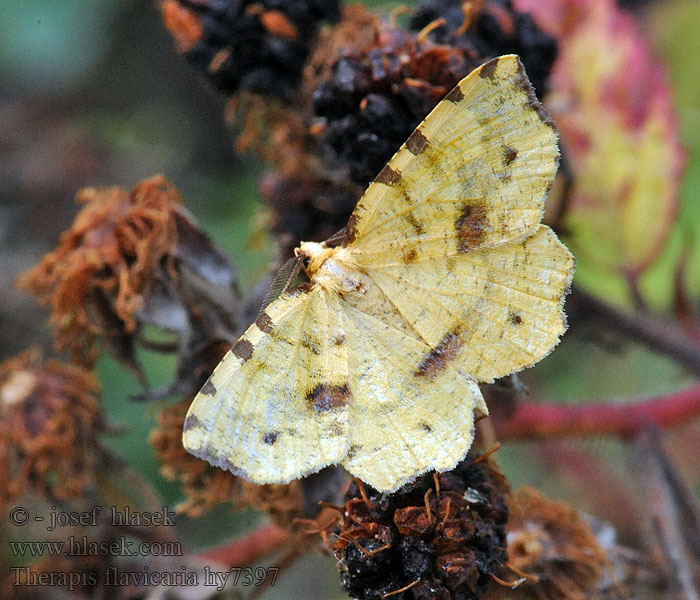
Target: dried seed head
(49,422)
(371,91)
(551,541)
(136,258)
(439,537)
(255,46)
(306,208)
(104,264)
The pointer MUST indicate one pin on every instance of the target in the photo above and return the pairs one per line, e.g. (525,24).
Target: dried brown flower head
(135,258)
(552,542)
(49,421)
(370,91)
(105,262)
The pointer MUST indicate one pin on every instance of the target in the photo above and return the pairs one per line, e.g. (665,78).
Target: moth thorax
(329,267)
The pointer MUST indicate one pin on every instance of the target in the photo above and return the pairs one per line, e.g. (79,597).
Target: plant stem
(555,420)
(665,337)
(249,548)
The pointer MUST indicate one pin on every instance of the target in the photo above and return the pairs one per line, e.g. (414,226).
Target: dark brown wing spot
(326,397)
(270,437)
(455,95)
(488,69)
(471,227)
(425,427)
(208,388)
(311,344)
(413,222)
(339,340)
(509,155)
(192,422)
(436,360)
(264,322)
(410,256)
(352,451)
(417,142)
(388,176)
(243,349)
(515,318)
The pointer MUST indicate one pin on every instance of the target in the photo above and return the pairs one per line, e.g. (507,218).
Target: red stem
(550,420)
(249,548)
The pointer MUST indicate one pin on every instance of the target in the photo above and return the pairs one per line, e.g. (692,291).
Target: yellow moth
(444,277)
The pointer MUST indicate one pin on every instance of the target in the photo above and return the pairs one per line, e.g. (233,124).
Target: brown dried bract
(49,421)
(104,264)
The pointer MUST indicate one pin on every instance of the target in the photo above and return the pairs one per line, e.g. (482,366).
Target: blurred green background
(94,94)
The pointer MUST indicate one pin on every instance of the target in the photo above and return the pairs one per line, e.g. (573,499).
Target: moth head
(313,255)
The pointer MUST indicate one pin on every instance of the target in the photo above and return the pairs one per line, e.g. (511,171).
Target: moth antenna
(336,239)
(283,279)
